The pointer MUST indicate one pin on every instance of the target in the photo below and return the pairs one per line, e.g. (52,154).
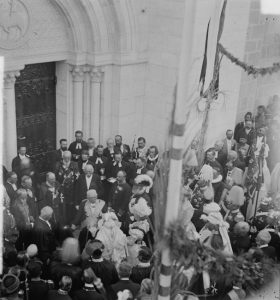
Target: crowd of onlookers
(90,218)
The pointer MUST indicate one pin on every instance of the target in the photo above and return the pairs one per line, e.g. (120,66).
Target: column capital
(78,72)
(96,74)
(10,79)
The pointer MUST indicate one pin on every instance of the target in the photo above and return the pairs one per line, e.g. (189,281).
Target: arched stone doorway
(90,43)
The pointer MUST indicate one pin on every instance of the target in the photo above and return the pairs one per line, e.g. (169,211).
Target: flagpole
(177,134)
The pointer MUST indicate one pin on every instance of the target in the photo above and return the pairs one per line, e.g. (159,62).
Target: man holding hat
(90,211)
(103,269)
(43,234)
(10,287)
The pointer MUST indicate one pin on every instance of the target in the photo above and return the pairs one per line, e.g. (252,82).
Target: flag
(204,64)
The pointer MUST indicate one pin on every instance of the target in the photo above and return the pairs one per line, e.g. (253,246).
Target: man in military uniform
(67,173)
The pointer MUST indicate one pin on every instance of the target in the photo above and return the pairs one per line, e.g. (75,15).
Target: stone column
(78,95)
(95,102)
(11,122)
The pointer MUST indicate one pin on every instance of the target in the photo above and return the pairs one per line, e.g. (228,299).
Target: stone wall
(166,19)
(262,49)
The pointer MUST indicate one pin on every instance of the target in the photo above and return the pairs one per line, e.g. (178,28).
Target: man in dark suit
(57,154)
(120,195)
(140,169)
(124,270)
(91,147)
(220,155)
(118,165)
(251,134)
(11,186)
(78,146)
(211,161)
(21,154)
(88,292)
(101,162)
(43,234)
(84,161)
(262,240)
(241,125)
(87,181)
(109,151)
(123,148)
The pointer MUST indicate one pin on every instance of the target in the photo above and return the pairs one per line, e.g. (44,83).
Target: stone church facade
(110,67)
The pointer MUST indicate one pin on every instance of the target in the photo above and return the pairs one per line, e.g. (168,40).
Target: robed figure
(67,173)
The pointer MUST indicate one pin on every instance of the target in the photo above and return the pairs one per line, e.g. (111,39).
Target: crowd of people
(85,231)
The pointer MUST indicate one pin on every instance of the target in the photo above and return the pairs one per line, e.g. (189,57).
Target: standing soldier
(67,173)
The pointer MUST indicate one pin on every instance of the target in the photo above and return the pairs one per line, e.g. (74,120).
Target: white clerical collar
(235,211)
(152,158)
(124,278)
(119,164)
(263,246)
(144,265)
(97,259)
(89,285)
(139,170)
(21,156)
(79,145)
(98,159)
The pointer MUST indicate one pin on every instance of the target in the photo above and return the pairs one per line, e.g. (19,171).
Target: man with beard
(57,154)
(27,168)
(100,161)
(84,161)
(90,211)
(118,165)
(119,196)
(43,234)
(86,182)
(11,186)
(251,134)
(49,195)
(91,147)
(109,151)
(123,148)
(241,125)
(67,173)
(220,155)
(228,143)
(26,184)
(141,151)
(78,146)
(140,168)
(242,148)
